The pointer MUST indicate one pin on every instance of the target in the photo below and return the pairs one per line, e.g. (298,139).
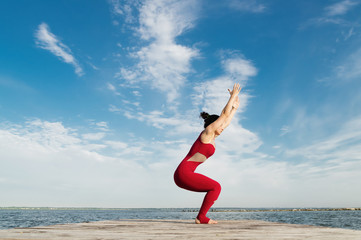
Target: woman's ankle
(202,219)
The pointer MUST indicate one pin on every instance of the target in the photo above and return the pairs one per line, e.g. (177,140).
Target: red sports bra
(207,149)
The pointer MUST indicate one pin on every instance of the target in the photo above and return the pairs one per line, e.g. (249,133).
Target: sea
(31,217)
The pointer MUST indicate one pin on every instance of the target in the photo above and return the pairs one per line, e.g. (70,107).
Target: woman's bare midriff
(197,157)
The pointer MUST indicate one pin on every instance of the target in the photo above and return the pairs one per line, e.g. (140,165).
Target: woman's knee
(217,187)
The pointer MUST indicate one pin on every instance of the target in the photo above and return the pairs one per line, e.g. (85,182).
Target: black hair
(208,119)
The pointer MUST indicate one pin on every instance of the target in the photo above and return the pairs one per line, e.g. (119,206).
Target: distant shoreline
(188,209)
(288,210)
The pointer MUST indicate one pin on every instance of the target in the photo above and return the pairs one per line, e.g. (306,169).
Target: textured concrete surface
(178,229)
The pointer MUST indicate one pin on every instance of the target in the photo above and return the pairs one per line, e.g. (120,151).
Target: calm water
(30,218)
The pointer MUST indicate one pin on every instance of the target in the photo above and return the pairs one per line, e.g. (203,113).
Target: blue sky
(99,101)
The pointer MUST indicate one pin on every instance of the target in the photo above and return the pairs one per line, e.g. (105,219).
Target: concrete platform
(178,229)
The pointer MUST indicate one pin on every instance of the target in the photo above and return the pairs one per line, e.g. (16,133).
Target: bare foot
(212,221)
(209,222)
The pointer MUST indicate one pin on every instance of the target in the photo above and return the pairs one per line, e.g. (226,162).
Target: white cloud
(43,163)
(137,93)
(113,108)
(239,68)
(163,63)
(329,165)
(261,181)
(125,8)
(164,66)
(117,9)
(50,134)
(128,75)
(351,67)
(334,14)
(342,146)
(102,125)
(247,6)
(117,144)
(340,8)
(347,70)
(93,66)
(47,40)
(93,136)
(285,129)
(177,124)
(164,20)
(349,34)
(112,88)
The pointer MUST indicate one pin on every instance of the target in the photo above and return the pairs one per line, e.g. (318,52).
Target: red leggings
(186,178)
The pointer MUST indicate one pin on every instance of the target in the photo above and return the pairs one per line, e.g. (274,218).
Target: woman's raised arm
(226,114)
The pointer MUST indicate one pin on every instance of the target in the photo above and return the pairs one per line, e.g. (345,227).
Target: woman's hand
(236,89)
(234,93)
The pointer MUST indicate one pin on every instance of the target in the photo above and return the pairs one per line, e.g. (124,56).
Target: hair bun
(204,115)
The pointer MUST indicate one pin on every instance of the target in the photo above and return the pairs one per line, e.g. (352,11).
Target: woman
(203,148)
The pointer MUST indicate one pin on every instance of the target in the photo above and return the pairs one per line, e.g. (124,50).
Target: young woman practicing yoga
(203,148)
